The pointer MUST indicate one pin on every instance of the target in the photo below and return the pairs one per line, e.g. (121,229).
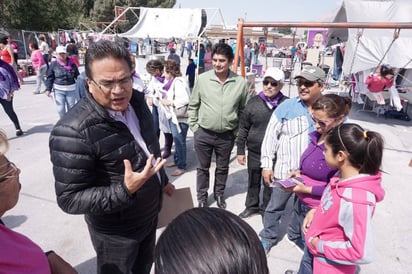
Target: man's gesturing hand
(135,180)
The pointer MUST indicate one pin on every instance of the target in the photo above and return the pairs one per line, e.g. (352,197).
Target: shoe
(178,172)
(36,92)
(19,132)
(221,202)
(266,246)
(172,164)
(295,244)
(248,212)
(203,204)
(290,271)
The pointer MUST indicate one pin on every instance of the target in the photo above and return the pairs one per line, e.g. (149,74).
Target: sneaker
(36,92)
(290,271)
(19,132)
(266,246)
(298,248)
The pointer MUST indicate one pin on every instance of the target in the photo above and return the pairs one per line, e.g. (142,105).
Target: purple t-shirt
(314,171)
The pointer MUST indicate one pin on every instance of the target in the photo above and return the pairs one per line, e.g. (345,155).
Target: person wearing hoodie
(338,232)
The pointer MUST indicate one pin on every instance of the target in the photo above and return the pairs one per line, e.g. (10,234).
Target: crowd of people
(108,164)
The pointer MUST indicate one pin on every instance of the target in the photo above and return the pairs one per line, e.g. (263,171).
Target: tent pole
(239,38)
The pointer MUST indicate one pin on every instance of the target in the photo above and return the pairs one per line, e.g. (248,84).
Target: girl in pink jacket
(338,231)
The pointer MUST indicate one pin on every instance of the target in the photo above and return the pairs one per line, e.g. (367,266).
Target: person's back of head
(364,148)
(154,65)
(386,70)
(209,240)
(172,67)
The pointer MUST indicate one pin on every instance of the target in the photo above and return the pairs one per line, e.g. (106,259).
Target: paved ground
(38,216)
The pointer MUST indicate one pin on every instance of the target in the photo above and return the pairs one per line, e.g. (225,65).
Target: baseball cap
(60,49)
(275,73)
(312,73)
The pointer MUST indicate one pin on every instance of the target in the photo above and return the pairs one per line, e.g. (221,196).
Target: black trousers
(119,254)
(206,142)
(255,184)
(8,108)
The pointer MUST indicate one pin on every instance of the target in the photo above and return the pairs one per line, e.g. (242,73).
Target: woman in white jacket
(175,103)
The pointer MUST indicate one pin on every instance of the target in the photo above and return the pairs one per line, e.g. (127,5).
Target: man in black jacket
(107,164)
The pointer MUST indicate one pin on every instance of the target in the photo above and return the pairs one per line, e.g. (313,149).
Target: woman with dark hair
(209,240)
(338,231)
(39,65)
(177,97)
(9,84)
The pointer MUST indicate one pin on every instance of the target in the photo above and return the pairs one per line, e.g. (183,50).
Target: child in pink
(339,231)
(380,81)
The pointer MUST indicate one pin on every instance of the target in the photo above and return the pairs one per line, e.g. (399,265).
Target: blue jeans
(41,73)
(272,217)
(180,143)
(306,263)
(296,222)
(65,100)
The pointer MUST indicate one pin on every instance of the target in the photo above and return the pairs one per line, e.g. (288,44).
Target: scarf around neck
(68,67)
(274,102)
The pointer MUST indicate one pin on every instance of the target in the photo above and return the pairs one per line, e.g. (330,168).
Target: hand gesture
(135,180)
(268,176)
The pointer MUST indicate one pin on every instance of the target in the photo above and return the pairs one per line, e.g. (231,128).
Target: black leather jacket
(87,149)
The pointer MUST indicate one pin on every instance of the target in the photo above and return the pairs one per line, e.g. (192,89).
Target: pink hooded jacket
(343,224)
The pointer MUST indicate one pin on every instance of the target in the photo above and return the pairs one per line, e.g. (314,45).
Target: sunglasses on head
(308,84)
(272,83)
(322,123)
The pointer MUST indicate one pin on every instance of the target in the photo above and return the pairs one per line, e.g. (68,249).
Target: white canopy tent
(373,43)
(166,23)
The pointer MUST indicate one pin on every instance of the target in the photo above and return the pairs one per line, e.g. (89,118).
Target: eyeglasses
(322,123)
(303,82)
(108,86)
(272,83)
(11,171)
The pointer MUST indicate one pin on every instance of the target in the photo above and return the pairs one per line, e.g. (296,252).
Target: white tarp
(166,23)
(374,42)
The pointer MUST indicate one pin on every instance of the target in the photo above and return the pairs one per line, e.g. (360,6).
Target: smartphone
(287,183)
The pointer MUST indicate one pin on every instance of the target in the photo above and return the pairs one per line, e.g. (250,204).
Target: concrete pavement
(38,216)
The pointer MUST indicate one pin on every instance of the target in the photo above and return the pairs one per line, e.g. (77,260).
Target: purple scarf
(135,75)
(274,101)
(166,87)
(161,79)
(68,67)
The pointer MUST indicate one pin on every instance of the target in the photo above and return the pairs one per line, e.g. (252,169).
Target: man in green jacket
(218,98)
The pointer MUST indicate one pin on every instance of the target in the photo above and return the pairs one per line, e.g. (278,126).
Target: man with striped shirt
(286,137)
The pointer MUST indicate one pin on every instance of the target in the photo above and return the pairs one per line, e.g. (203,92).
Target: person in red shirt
(7,56)
(14,47)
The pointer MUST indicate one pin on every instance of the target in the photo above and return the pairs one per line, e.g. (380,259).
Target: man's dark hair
(223,49)
(104,49)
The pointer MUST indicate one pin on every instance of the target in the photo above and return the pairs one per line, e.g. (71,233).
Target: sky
(268,10)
